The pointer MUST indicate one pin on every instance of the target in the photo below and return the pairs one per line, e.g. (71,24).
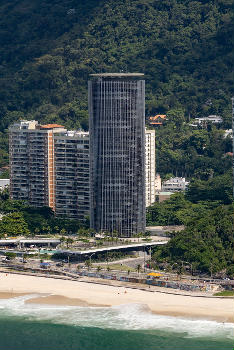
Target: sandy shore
(65,292)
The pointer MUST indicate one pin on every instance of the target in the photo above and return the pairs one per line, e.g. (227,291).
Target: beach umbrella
(154,274)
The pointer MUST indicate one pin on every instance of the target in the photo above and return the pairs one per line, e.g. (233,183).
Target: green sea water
(126,327)
(19,334)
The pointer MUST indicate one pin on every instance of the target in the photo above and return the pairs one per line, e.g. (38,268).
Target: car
(59,264)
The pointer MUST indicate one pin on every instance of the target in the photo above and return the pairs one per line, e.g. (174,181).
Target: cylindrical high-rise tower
(117,153)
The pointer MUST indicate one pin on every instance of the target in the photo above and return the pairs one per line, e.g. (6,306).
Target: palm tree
(62,239)
(69,241)
(139,235)
(36,231)
(63,231)
(180,271)
(56,228)
(138,268)
(99,268)
(88,264)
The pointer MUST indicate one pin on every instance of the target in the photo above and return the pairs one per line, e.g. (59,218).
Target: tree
(88,264)
(56,228)
(138,268)
(62,239)
(176,116)
(10,255)
(69,241)
(37,230)
(63,231)
(14,224)
(207,241)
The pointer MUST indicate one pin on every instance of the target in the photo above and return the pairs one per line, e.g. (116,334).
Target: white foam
(129,317)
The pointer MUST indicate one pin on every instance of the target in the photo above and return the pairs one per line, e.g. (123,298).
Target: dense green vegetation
(21,219)
(207,242)
(201,195)
(184,151)
(49,48)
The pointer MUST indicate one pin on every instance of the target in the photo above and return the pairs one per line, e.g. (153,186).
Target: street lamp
(187,262)
(150,252)
(211,270)
(90,256)
(144,257)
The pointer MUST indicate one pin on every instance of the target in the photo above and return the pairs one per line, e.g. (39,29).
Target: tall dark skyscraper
(117,152)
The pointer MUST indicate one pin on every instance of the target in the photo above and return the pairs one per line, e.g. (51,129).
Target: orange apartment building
(31,152)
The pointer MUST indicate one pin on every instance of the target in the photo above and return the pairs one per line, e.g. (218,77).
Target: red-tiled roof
(162,116)
(51,126)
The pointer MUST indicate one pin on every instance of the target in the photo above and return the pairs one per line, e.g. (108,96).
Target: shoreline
(80,293)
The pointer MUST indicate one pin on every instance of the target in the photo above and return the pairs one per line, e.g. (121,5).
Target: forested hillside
(49,48)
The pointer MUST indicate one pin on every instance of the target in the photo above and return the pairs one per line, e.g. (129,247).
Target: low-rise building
(227,133)
(157,120)
(175,184)
(163,196)
(215,119)
(4,183)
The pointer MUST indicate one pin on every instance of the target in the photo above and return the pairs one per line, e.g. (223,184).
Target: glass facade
(117,154)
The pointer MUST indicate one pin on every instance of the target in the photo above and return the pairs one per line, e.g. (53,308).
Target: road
(131,262)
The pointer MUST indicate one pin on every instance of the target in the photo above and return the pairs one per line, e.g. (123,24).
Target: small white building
(175,184)
(215,119)
(4,183)
(227,133)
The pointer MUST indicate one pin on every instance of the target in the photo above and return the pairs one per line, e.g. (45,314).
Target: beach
(76,293)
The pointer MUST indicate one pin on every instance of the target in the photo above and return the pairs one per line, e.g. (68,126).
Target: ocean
(125,327)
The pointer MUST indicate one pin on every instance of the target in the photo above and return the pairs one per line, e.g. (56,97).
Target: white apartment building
(31,153)
(175,184)
(149,167)
(72,174)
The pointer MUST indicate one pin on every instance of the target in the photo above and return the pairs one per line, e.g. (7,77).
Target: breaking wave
(127,316)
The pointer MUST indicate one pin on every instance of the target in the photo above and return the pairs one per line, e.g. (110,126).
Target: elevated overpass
(85,254)
(21,243)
